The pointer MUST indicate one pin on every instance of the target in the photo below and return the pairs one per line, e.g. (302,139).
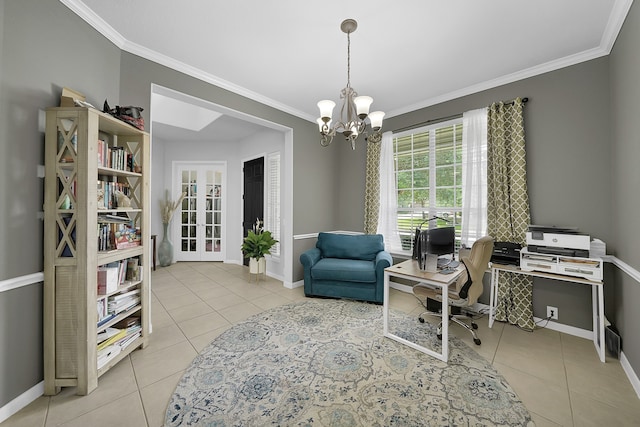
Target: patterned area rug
(326,363)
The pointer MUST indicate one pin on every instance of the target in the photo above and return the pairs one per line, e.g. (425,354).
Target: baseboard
(633,378)
(294,285)
(21,401)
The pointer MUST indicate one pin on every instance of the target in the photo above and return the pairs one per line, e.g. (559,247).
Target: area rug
(326,363)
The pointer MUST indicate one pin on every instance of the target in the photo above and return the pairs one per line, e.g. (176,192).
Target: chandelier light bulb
(376,120)
(362,105)
(326,109)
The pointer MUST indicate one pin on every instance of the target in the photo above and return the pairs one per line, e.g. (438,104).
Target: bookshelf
(91,161)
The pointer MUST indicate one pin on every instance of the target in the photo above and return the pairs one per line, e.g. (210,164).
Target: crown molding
(99,24)
(91,18)
(614,25)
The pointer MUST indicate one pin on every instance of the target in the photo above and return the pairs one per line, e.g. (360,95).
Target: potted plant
(255,246)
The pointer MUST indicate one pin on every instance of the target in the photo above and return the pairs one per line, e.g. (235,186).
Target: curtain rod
(444,119)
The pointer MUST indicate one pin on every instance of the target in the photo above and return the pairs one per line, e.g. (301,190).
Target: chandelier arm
(325,140)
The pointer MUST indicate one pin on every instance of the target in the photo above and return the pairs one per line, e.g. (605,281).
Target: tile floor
(558,377)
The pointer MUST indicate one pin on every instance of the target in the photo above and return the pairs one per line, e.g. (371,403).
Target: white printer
(558,241)
(560,251)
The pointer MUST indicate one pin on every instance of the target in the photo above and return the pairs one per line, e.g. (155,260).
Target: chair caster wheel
(421,319)
(439,337)
(477,341)
(474,325)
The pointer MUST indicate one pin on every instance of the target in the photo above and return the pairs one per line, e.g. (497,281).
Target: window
(428,174)
(272,217)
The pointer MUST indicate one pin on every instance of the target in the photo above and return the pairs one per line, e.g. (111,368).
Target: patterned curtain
(508,215)
(372,188)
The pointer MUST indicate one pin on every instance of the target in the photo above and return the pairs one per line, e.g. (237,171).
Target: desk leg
(385,305)
(597,297)
(153,253)
(445,322)
(493,299)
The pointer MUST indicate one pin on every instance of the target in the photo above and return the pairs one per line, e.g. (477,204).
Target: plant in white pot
(255,246)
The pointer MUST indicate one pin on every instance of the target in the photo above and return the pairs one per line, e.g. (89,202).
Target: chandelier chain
(349,59)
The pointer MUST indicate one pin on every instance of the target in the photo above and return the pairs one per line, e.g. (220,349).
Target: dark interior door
(253,195)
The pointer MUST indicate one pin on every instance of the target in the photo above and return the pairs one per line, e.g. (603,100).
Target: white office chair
(466,291)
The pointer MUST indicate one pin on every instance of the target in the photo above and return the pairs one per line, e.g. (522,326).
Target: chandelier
(354,111)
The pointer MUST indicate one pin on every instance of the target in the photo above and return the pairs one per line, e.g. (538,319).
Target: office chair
(468,288)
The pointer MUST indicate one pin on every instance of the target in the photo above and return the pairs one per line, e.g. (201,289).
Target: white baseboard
(294,285)
(633,378)
(21,401)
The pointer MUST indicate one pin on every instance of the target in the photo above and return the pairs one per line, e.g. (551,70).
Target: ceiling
(290,54)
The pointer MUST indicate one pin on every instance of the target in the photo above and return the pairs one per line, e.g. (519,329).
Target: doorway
(253,196)
(201,215)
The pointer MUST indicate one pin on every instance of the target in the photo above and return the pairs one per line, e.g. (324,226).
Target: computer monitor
(433,243)
(441,241)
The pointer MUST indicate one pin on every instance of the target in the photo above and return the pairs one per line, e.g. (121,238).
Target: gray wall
(567,126)
(581,149)
(44,47)
(625,110)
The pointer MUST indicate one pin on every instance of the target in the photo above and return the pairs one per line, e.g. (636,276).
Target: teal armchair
(346,266)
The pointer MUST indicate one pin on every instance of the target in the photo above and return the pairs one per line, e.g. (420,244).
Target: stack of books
(123,302)
(113,340)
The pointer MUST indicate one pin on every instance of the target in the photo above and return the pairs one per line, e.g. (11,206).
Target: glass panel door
(200,234)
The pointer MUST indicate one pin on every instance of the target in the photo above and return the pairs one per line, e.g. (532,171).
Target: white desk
(409,270)
(597,298)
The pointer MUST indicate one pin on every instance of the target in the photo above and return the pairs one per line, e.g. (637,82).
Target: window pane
(445,197)
(420,179)
(405,180)
(405,198)
(421,198)
(445,176)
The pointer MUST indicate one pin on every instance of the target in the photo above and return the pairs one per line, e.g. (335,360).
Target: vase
(165,249)
(257,265)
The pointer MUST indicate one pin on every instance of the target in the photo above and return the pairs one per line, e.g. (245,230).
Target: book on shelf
(132,269)
(106,319)
(107,333)
(107,354)
(113,339)
(108,279)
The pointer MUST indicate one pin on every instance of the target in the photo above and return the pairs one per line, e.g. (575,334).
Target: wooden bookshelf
(71,251)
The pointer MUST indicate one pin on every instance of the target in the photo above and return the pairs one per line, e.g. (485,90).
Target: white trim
(616,20)
(633,378)
(18,282)
(15,405)
(565,329)
(91,18)
(632,272)
(294,285)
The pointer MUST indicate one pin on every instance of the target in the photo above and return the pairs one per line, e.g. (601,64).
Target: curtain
(474,176)
(388,209)
(372,188)
(508,204)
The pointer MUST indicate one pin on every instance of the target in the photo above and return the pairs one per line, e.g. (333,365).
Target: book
(114,338)
(108,279)
(107,354)
(107,333)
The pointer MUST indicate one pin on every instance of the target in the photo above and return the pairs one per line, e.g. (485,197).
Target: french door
(200,226)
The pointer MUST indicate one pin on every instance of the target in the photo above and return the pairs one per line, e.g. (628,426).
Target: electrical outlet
(552,312)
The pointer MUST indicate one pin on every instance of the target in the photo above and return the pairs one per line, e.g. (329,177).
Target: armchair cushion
(362,246)
(350,270)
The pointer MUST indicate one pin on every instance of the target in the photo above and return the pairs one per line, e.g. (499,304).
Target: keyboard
(448,263)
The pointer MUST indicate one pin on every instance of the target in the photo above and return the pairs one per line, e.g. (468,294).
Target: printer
(562,251)
(558,241)
(506,253)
